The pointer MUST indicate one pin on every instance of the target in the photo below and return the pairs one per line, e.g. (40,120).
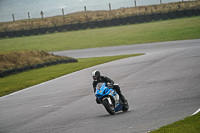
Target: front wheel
(109,107)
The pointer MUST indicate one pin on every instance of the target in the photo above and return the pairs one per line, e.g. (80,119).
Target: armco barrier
(104,23)
(35,66)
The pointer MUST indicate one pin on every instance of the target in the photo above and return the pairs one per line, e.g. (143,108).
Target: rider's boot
(123,99)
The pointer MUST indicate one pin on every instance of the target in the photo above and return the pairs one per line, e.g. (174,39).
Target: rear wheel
(109,107)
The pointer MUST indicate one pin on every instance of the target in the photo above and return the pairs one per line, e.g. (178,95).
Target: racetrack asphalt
(161,86)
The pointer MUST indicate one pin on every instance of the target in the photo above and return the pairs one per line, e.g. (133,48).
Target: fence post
(85,10)
(41,14)
(63,12)
(160,1)
(13,17)
(28,16)
(135,3)
(109,6)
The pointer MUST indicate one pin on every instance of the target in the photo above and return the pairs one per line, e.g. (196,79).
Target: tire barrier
(116,21)
(10,33)
(59,28)
(124,20)
(100,24)
(104,23)
(197,12)
(140,18)
(35,31)
(27,32)
(2,34)
(76,26)
(189,13)
(43,30)
(148,18)
(132,20)
(165,16)
(92,24)
(84,26)
(181,14)
(68,27)
(157,16)
(108,23)
(51,29)
(35,66)
(173,15)
(19,33)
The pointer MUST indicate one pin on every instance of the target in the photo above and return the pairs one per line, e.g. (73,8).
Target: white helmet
(96,74)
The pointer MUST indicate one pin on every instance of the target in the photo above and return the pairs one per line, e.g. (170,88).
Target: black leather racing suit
(104,79)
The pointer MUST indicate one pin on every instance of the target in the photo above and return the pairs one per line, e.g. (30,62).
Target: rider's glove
(110,86)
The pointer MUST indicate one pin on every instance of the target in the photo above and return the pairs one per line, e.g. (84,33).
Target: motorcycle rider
(103,79)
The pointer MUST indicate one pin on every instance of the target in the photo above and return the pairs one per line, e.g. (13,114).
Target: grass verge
(187,125)
(23,80)
(159,31)
(17,59)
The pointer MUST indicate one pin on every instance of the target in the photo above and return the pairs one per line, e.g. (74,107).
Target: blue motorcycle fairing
(104,91)
(118,108)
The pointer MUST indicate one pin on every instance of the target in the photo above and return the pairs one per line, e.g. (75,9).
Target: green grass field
(187,125)
(159,31)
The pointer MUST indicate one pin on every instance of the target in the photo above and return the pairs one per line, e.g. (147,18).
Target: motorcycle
(110,99)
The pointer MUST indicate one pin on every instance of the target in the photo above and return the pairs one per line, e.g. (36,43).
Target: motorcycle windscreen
(99,85)
(99,92)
